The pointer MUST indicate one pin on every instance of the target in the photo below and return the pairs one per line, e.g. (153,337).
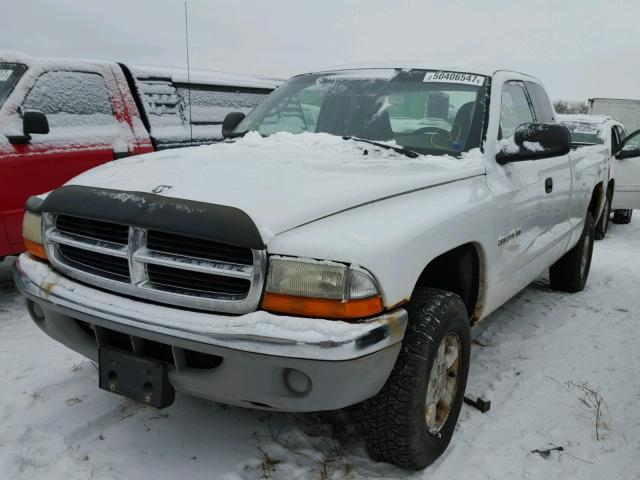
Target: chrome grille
(181,245)
(174,278)
(111,232)
(116,268)
(154,265)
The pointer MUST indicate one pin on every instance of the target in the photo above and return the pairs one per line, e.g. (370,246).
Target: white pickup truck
(623,191)
(334,251)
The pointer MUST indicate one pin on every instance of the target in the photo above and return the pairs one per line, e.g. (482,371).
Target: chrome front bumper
(257,332)
(345,363)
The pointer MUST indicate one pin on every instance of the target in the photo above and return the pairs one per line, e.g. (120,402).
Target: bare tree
(570,106)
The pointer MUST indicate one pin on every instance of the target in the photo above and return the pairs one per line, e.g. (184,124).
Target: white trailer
(625,110)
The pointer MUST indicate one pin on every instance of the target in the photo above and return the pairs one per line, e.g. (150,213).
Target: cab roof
(177,75)
(475,68)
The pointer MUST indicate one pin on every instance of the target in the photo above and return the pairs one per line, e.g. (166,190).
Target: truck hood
(285,180)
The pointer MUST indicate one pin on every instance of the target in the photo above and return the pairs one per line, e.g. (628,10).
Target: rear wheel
(411,420)
(603,224)
(622,216)
(569,274)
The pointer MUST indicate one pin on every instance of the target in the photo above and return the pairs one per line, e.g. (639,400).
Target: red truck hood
(285,180)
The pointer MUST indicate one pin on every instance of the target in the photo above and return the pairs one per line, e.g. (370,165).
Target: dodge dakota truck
(334,251)
(60,117)
(623,188)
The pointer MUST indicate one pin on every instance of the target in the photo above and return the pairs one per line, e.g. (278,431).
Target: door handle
(548,185)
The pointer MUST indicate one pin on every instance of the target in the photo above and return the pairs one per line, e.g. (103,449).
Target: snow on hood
(284,180)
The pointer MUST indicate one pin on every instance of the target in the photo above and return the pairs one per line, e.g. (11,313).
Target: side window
(10,73)
(71,99)
(161,103)
(633,142)
(541,103)
(621,133)
(209,105)
(515,109)
(167,104)
(615,139)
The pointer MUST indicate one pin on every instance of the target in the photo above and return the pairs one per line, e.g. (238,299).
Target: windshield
(10,73)
(584,133)
(425,111)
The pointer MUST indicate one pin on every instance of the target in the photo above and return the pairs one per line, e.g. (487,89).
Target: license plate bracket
(141,379)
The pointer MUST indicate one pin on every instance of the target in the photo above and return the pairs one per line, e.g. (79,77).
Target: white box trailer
(623,109)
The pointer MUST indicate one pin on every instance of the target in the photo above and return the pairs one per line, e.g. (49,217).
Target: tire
(570,273)
(622,216)
(603,224)
(394,422)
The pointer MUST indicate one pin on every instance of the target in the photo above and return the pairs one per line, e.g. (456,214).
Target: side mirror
(33,121)
(531,141)
(231,121)
(630,147)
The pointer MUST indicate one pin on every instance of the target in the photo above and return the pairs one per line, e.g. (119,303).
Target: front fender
(396,238)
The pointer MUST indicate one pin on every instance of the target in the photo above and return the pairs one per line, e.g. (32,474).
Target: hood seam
(369,202)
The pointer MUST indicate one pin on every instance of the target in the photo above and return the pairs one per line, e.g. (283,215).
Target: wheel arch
(596,204)
(460,270)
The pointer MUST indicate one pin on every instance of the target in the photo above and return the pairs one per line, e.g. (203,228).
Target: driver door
(627,174)
(532,198)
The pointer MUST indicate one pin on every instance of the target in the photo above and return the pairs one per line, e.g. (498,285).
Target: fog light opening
(35,311)
(112,380)
(147,388)
(297,382)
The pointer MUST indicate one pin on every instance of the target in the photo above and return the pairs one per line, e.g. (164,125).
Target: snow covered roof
(178,75)
(49,62)
(206,77)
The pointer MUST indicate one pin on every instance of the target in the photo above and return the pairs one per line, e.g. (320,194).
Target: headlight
(320,289)
(32,234)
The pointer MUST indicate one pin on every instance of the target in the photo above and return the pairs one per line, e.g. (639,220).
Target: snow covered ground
(560,370)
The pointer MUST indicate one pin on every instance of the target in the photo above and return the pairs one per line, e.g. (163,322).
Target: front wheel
(410,422)
(622,216)
(569,274)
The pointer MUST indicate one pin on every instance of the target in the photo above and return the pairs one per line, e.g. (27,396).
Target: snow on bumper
(346,362)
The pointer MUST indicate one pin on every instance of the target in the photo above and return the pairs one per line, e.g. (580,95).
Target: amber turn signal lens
(35,249)
(322,307)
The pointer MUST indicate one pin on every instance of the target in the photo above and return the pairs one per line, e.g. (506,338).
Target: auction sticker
(5,74)
(586,129)
(454,77)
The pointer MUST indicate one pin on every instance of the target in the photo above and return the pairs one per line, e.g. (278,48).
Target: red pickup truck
(60,117)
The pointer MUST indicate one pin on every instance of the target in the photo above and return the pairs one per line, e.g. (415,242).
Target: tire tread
(565,275)
(387,421)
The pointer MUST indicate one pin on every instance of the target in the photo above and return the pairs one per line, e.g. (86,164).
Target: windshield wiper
(401,150)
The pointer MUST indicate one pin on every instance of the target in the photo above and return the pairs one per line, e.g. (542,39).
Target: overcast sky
(579,49)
